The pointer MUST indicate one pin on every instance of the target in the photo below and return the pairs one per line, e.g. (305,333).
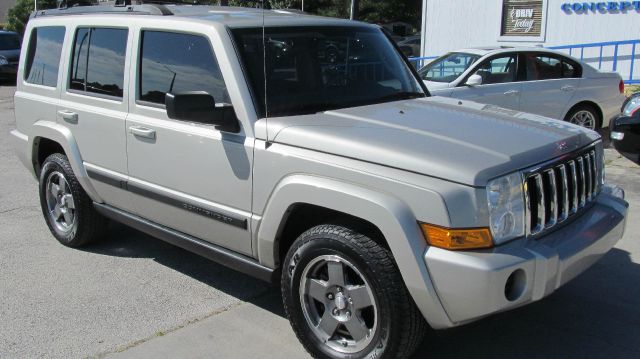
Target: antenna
(264,65)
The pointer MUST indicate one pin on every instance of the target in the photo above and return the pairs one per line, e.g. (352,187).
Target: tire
(66,207)
(313,300)
(584,114)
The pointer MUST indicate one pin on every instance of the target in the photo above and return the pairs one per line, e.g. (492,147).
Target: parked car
(377,208)
(527,79)
(9,55)
(410,46)
(625,129)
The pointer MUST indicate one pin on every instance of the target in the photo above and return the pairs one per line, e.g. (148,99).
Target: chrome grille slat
(553,198)
(541,215)
(564,193)
(581,179)
(574,187)
(556,191)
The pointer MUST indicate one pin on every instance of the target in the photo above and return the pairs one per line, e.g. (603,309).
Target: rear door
(551,83)
(94,105)
(499,83)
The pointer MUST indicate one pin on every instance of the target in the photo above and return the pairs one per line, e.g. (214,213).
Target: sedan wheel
(585,118)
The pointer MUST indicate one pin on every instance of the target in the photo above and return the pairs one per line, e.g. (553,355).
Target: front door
(499,86)
(187,176)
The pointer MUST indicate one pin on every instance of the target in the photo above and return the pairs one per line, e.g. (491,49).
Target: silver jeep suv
(307,152)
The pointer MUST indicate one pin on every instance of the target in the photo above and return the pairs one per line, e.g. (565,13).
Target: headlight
(3,61)
(506,207)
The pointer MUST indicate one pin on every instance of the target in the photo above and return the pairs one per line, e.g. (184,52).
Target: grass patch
(630,89)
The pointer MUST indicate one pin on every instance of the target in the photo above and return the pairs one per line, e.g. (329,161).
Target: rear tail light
(621,86)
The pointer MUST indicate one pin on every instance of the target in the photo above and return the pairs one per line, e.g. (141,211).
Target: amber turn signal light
(468,238)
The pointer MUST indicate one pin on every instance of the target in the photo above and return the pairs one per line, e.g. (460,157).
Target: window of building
(174,62)
(43,55)
(98,61)
(522,18)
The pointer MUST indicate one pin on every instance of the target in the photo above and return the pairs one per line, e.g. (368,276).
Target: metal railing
(618,56)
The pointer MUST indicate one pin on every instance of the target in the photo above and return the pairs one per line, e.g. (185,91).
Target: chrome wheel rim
(60,203)
(338,304)
(584,118)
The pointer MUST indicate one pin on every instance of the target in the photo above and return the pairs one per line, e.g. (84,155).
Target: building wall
(452,24)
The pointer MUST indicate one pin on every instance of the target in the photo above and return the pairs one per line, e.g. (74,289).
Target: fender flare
(63,136)
(393,218)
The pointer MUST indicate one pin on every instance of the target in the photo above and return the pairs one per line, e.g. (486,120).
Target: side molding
(394,218)
(64,137)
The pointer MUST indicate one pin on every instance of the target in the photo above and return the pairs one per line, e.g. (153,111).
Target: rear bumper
(611,109)
(474,284)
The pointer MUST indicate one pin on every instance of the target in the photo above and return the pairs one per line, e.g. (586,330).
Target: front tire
(345,298)
(66,207)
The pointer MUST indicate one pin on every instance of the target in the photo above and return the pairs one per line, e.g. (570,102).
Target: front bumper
(473,284)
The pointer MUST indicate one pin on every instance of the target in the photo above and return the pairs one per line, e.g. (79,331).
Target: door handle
(68,116)
(144,132)
(567,88)
(512,93)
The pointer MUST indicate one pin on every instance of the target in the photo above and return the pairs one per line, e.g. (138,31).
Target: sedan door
(551,83)
(499,83)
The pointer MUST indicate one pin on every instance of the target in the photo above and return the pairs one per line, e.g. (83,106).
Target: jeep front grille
(559,190)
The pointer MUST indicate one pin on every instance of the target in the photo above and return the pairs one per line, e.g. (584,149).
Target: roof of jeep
(235,17)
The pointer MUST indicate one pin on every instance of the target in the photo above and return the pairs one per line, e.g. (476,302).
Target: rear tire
(586,116)
(66,207)
(345,297)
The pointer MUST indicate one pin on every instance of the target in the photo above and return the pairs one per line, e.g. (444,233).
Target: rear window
(9,42)
(545,67)
(98,61)
(43,55)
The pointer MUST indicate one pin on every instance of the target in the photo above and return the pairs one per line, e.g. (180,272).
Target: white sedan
(533,80)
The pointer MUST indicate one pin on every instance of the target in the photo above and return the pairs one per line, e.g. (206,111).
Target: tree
(18,15)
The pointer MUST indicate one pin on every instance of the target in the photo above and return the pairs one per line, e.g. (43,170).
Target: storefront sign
(521,17)
(613,7)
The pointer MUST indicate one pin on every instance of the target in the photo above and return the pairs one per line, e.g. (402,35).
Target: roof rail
(120,7)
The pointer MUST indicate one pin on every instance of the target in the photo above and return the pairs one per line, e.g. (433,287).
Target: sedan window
(497,70)
(448,67)
(545,67)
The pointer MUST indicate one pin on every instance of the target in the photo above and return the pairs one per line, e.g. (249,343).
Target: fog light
(516,283)
(618,136)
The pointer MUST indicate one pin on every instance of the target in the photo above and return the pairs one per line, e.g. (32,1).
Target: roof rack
(85,7)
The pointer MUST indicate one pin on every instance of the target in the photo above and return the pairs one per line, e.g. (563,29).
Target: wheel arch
(49,136)
(377,211)
(589,103)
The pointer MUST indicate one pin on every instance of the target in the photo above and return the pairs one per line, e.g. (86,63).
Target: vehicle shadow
(596,315)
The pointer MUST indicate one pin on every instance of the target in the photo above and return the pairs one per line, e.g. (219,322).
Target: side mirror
(474,80)
(200,107)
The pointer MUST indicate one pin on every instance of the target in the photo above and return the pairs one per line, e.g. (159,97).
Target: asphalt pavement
(133,296)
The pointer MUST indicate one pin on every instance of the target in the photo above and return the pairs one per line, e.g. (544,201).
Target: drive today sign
(521,17)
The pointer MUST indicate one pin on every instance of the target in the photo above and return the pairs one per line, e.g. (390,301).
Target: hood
(11,55)
(433,85)
(460,141)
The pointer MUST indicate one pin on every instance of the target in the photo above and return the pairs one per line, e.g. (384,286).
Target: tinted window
(173,62)
(312,69)
(98,61)
(498,70)
(43,57)
(9,42)
(545,67)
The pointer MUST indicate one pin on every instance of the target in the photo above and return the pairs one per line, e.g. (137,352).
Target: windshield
(314,69)
(9,42)
(448,67)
